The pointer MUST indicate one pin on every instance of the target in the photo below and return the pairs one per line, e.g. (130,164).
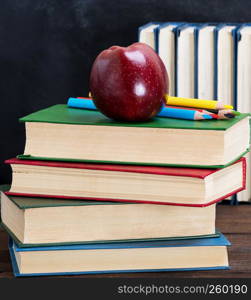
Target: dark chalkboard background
(47,48)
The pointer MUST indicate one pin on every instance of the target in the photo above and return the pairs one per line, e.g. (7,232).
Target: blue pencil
(180,113)
(85,103)
(166,112)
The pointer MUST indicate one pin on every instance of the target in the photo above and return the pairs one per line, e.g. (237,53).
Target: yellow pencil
(198,103)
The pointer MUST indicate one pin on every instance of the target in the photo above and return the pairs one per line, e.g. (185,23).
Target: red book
(129,183)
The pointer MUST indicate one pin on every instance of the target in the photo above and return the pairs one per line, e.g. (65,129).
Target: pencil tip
(230,116)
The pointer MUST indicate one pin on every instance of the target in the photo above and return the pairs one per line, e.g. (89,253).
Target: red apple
(128,83)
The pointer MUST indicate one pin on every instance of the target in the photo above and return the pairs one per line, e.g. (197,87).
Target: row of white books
(207,61)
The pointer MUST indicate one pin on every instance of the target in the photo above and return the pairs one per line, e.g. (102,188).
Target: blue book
(149,256)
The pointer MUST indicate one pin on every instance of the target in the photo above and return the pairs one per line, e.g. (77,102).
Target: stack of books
(207,61)
(91,195)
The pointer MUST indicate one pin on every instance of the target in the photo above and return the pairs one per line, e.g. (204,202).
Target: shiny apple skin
(128,83)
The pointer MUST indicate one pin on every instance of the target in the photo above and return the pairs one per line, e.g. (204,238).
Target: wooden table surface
(233,221)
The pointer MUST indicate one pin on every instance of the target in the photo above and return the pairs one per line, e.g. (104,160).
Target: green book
(43,221)
(62,133)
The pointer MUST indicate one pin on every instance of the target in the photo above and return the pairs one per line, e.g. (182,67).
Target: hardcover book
(225,45)
(38,221)
(167,41)
(206,72)
(62,133)
(143,184)
(152,256)
(148,34)
(186,60)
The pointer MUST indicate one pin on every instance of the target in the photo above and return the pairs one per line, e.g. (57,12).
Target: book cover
(61,114)
(220,240)
(77,222)
(158,170)
(164,171)
(207,242)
